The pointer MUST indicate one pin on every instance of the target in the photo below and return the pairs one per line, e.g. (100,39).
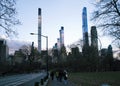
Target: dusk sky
(55,13)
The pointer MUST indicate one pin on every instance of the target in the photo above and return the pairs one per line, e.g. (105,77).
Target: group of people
(61,75)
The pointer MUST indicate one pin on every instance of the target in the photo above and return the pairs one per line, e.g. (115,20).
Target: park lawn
(95,78)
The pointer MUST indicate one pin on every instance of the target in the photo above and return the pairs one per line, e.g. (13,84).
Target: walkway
(55,82)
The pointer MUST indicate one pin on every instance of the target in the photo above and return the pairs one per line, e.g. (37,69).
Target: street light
(46,49)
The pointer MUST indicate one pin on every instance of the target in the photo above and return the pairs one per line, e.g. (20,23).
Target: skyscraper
(58,43)
(94,37)
(39,29)
(61,36)
(85,27)
(4,51)
(94,41)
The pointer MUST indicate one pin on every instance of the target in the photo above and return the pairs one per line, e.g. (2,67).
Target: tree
(63,53)
(107,16)
(8,16)
(55,54)
(93,59)
(37,55)
(75,53)
(26,50)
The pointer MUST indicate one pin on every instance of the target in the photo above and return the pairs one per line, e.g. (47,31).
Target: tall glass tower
(85,27)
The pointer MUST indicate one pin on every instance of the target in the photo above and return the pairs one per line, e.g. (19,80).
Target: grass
(95,79)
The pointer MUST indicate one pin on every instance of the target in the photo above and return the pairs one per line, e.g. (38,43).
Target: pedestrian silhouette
(52,75)
(65,77)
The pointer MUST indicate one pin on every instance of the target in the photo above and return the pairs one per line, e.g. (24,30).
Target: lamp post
(46,49)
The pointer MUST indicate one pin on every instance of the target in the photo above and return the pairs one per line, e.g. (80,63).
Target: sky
(55,13)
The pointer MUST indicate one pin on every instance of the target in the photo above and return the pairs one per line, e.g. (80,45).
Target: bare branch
(8,16)
(107,16)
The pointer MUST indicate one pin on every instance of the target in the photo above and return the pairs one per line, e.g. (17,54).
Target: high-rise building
(39,29)
(85,27)
(85,49)
(94,40)
(4,51)
(55,53)
(94,37)
(61,36)
(58,43)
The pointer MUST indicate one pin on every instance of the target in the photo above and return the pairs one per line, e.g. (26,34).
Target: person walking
(52,75)
(65,77)
(57,75)
(60,76)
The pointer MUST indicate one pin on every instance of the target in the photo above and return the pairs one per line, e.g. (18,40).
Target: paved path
(58,83)
(21,79)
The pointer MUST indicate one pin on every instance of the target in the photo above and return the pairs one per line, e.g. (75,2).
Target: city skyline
(54,15)
(44,41)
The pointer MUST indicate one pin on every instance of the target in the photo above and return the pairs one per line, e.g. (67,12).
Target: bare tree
(8,16)
(26,50)
(107,17)
(78,44)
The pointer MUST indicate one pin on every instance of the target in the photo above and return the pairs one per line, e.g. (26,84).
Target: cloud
(102,1)
(98,0)
(16,45)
